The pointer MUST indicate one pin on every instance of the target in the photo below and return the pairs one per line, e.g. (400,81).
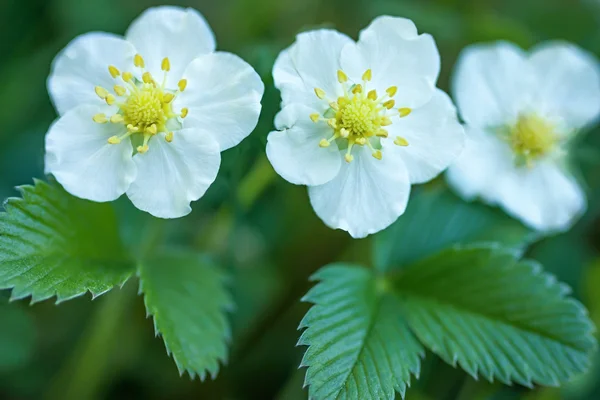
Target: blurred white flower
(360,122)
(148,114)
(521,110)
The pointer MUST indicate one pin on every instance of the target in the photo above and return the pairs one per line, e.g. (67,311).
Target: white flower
(362,121)
(148,114)
(521,110)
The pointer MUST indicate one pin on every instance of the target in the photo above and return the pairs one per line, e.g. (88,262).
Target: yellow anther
(147,77)
(320,93)
(184,112)
(404,111)
(357,89)
(377,154)
(169,137)
(152,129)
(367,75)
(372,95)
(143,149)
(182,84)
(166,64)
(348,157)
(361,141)
(120,90)
(342,77)
(132,128)
(324,143)
(138,61)
(385,121)
(110,99)
(99,118)
(114,140)
(344,132)
(400,141)
(382,133)
(116,119)
(391,91)
(331,122)
(127,76)
(315,117)
(114,72)
(167,98)
(101,92)
(389,104)
(334,105)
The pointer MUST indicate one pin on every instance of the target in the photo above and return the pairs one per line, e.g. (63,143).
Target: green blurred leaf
(54,244)
(359,345)
(17,337)
(187,297)
(436,219)
(497,316)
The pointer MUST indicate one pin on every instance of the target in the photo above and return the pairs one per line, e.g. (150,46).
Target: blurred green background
(263,230)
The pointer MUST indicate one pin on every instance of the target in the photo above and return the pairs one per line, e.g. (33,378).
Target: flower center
(145,107)
(358,117)
(531,138)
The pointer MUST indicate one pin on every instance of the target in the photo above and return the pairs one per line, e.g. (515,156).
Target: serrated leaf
(496,316)
(54,244)
(359,345)
(436,219)
(187,297)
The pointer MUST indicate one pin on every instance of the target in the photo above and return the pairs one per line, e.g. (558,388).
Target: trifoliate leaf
(436,219)
(187,297)
(496,316)
(54,244)
(359,345)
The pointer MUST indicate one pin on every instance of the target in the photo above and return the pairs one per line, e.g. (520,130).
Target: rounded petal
(492,84)
(83,65)
(172,175)
(181,34)
(367,195)
(435,138)
(81,159)
(294,151)
(223,96)
(397,56)
(311,62)
(569,83)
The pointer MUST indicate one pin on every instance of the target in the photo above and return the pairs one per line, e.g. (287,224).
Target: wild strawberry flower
(521,111)
(148,114)
(362,121)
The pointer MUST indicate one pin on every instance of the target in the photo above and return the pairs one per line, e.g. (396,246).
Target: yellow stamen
(152,129)
(391,91)
(342,77)
(331,122)
(120,90)
(169,137)
(138,61)
(334,105)
(344,133)
(101,92)
(324,143)
(167,98)
(389,104)
(357,89)
(372,95)
(182,85)
(99,118)
(386,121)
(382,133)
(361,141)
(117,119)
(348,157)
(367,75)
(400,141)
(320,93)
(132,128)
(127,76)
(166,64)
(110,99)
(114,72)
(147,77)
(114,140)
(315,117)
(404,111)
(184,112)
(377,154)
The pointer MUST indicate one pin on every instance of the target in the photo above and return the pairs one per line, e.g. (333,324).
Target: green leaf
(359,345)
(497,316)
(187,297)
(436,219)
(54,244)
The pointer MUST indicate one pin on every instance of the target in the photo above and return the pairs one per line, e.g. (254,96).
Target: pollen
(532,138)
(358,117)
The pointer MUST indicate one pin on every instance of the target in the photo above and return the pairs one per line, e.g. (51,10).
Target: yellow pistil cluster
(146,106)
(359,116)
(531,138)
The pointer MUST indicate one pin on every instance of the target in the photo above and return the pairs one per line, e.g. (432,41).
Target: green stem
(255,182)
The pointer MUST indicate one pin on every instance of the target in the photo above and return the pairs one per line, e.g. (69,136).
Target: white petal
(367,196)
(81,159)
(294,151)
(492,84)
(435,138)
(569,83)
(223,96)
(181,34)
(397,56)
(171,175)
(311,62)
(83,65)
